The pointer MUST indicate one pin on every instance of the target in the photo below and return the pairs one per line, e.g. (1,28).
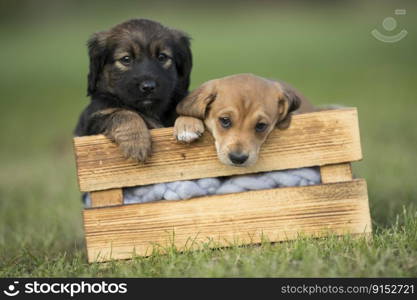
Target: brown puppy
(240,111)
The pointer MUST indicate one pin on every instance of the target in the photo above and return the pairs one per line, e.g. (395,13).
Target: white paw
(188,129)
(187,136)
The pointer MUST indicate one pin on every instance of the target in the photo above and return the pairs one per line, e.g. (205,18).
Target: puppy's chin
(150,106)
(147,103)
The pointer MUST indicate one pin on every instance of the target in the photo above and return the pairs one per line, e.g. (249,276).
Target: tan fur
(121,66)
(246,100)
(128,130)
(195,104)
(167,64)
(165,50)
(120,53)
(104,112)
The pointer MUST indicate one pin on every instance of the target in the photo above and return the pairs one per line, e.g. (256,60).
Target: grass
(328,53)
(391,249)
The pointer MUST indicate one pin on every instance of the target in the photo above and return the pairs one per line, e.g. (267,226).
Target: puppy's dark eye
(126,60)
(162,57)
(225,122)
(260,127)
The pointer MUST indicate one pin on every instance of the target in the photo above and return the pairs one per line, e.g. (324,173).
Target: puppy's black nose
(238,158)
(147,86)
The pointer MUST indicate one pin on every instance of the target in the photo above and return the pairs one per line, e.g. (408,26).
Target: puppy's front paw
(135,145)
(138,149)
(129,131)
(188,129)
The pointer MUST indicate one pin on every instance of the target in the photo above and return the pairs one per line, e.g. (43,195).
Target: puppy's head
(140,62)
(240,111)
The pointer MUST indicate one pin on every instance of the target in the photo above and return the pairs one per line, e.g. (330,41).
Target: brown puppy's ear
(289,101)
(98,53)
(196,103)
(183,60)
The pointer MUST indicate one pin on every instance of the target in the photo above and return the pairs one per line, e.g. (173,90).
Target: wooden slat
(313,139)
(336,173)
(106,198)
(242,218)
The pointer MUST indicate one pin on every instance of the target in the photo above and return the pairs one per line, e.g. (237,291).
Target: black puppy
(139,71)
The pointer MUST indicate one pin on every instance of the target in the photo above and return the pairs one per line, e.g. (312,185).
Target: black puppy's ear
(183,61)
(288,102)
(97,52)
(196,103)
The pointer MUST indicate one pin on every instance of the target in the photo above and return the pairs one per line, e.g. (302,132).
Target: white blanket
(179,190)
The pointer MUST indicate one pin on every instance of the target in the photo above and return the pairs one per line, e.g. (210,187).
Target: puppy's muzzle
(238,158)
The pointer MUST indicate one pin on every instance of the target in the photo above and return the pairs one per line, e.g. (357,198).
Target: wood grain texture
(313,139)
(106,198)
(336,173)
(278,214)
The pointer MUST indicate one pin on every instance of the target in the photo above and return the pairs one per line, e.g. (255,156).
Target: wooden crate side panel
(336,173)
(313,139)
(106,198)
(243,218)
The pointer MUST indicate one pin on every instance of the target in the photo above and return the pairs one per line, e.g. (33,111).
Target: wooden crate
(329,139)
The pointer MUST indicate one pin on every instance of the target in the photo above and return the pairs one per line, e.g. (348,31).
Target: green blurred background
(326,50)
